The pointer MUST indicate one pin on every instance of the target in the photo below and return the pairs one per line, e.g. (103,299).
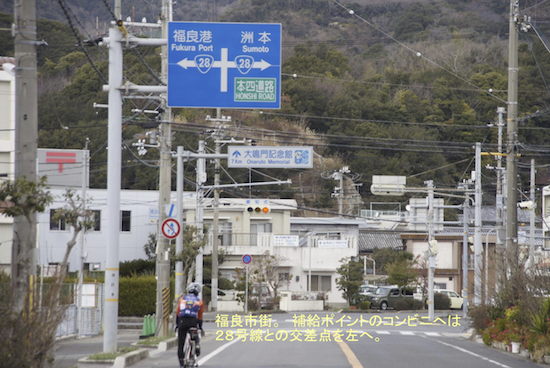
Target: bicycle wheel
(186,353)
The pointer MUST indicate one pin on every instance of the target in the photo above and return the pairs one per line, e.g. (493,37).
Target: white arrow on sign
(224,64)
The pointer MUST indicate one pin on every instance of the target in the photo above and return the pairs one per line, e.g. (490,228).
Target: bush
(441,301)
(137,267)
(225,284)
(479,316)
(408,304)
(364,305)
(138,295)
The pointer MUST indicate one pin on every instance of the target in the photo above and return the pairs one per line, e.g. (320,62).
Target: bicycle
(189,348)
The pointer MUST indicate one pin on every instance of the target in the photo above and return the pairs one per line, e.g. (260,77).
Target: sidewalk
(68,351)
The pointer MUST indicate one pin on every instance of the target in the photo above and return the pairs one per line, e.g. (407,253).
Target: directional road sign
(226,65)
(270,156)
(170,228)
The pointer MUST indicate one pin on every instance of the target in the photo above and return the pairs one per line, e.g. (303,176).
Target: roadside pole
(431,274)
(477,234)
(165,174)
(113,188)
(179,288)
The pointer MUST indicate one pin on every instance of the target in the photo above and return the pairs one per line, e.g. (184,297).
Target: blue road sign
(226,65)
(270,156)
(247,258)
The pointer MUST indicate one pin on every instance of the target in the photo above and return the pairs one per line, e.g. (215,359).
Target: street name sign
(225,65)
(270,157)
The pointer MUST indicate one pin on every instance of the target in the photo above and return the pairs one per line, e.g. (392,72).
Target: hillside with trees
(392,88)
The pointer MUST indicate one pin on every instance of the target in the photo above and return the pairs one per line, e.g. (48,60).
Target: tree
(28,334)
(265,268)
(384,256)
(192,243)
(401,272)
(351,277)
(151,246)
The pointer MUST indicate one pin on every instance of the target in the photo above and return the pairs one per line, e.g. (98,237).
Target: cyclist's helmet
(194,288)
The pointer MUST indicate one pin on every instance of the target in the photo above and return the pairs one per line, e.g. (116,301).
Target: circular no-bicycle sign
(247,258)
(170,228)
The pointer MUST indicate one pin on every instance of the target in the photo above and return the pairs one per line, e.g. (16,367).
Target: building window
(56,224)
(320,283)
(284,276)
(96,218)
(125,220)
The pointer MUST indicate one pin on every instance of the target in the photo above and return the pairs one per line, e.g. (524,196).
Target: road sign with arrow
(226,65)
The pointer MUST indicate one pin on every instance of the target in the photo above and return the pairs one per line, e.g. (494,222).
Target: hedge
(138,295)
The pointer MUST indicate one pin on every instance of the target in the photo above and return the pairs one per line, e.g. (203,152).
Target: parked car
(227,295)
(367,289)
(266,299)
(386,296)
(456,300)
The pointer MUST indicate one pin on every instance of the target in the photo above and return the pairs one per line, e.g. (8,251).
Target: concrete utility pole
(201,179)
(217,140)
(511,144)
(165,175)
(82,237)
(113,186)
(179,289)
(477,235)
(431,272)
(23,269)
(499,196)
(465,285)
(531,259)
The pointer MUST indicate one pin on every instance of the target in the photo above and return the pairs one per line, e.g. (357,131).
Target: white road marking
(474,354)
(217,351)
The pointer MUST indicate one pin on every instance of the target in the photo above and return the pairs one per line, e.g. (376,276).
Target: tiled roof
(369,240)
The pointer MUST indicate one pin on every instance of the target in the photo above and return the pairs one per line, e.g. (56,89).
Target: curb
(131,358)
(121,361)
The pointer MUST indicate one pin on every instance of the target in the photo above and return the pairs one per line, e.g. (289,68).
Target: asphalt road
(342,344)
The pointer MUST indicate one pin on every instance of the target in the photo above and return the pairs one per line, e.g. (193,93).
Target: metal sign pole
(246,292)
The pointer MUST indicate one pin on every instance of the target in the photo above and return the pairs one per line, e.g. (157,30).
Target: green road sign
(256,89)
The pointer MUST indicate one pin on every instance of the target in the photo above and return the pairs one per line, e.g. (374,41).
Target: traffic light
(259,209)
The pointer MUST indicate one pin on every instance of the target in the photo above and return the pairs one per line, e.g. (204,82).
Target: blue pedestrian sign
(295,157)
(225,65)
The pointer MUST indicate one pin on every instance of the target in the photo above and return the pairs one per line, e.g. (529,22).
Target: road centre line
(471,353)
(352,359)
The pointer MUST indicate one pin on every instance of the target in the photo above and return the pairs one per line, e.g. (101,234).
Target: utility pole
(465,284)
(499,196)
(217,140)
(431,272)
(113,184)
(23,272)
(511,144)
(179,289)
(531,259)
(165,172)
(201,179)
(82,237)
(477,235)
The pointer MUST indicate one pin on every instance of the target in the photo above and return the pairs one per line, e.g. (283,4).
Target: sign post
(224,65)
(246,260)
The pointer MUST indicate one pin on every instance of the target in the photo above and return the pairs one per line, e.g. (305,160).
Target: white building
(7,156)
(138,218)
(246,226)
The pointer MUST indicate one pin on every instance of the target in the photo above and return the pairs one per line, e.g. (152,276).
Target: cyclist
(189,314)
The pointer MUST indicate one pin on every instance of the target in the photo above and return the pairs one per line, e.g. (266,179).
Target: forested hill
(384,87)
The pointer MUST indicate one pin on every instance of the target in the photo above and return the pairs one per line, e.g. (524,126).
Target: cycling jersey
(190,306)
